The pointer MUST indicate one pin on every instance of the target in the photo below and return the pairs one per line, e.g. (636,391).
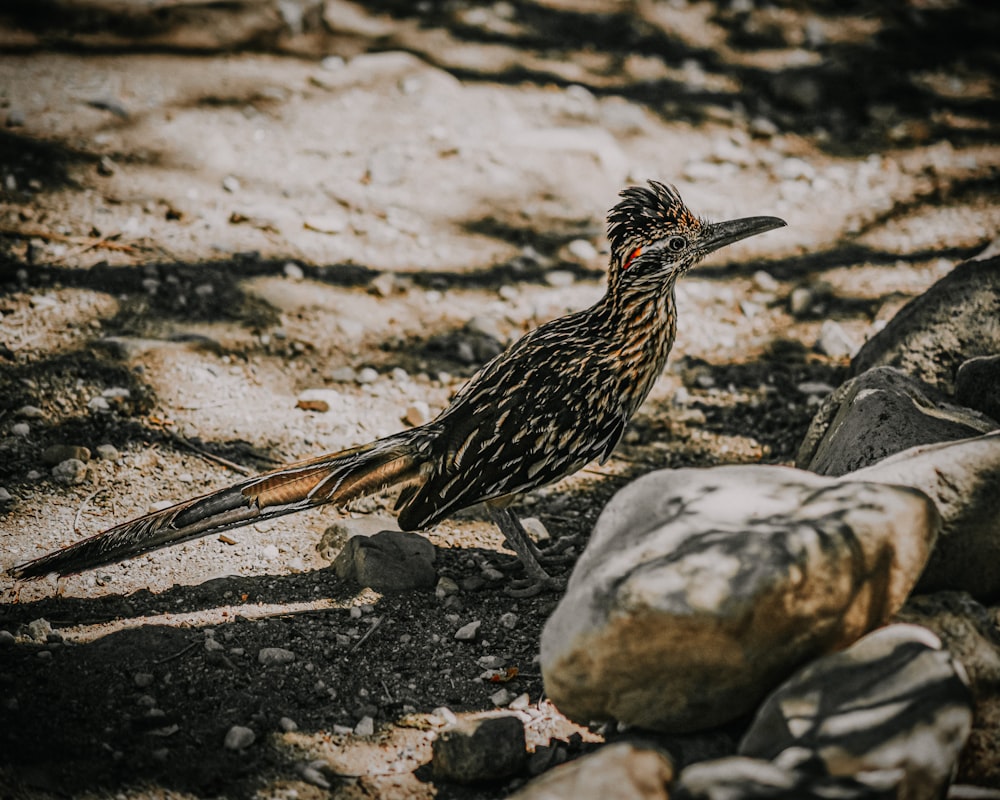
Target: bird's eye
(676,243)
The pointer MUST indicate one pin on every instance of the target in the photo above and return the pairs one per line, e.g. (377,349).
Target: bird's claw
(531,587)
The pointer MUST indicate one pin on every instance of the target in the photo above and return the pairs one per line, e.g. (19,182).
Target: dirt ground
(203,223)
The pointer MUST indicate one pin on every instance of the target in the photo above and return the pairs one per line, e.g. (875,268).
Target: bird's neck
(641,327)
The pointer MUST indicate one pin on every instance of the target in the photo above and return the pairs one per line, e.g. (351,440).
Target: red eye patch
(628,261)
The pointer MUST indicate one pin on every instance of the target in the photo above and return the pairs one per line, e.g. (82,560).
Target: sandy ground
(195,239)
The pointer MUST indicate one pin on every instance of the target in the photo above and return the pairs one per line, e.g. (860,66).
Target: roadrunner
(555,400)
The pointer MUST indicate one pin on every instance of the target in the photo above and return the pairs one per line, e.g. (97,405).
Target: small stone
(272,656)
(311,774)
(214,646)
(231,184)
(287,725)
(99,404)
(389,561)
(105,166)
(270,552)
(501,698)
(765,281)
(560,278)
(143,679)
(5,496)
(536,529)
(6,638)
(480,749)
(20,429)
(293,271)
(365,727)
(107,452)
(57,453)
(417,413)
(366,375)
(343,374)
(469,631)
(582,250)
(445,587)
(800,301)
(30,412)
(239,738)
(834,341)
(508,620)
(38,630)
(618,770)
(70,472)
(763,128)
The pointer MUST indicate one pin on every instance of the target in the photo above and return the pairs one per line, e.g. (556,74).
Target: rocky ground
(235,236)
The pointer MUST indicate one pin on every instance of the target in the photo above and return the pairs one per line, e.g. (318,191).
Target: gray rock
(5,496)
(107,452)
(480,749)
(38,630)
(389,561)
(969,633)
(962,479)
(70,472)
(20,429)
(877,414)
(622,769)
(335,537)
(30,412)
(702,589)
(977,385)
(469,631)
(834,341)
(274,656)
(57,453)
(239,738)
(892,702)
(950,323)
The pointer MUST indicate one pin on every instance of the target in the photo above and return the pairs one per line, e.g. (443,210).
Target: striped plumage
(556,399)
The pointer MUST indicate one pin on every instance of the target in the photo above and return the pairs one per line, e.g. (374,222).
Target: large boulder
(954,320)
(702,589)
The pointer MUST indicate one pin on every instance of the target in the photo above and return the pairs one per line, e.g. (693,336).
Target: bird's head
(655,238)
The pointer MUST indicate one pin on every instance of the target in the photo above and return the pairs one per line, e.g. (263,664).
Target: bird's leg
(517,539)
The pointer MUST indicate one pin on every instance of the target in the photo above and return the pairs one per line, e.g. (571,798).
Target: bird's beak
(720,234)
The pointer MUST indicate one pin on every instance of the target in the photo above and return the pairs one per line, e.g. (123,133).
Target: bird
(556,399)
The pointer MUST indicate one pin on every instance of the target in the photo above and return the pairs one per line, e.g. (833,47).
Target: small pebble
(536,529)
(445,587)
(270,552)
(366,375)
(105,166)
(446,715)
(834,341)
(107,452)
(311,774)
(20,429)
(239,738)
(468,632)
(99,404)
(417,413)
(582,250)
(492,574)
(508,620)
(6,638)
(57,453)
(231,184)
(560,278)
(365,727)
(800,301)
(287,725)
(38,630)
(520,703)
(70,472)
(143,679)
(501,698)
(213,646)
(271,656)
(765,281)
(293,271)
(29,412)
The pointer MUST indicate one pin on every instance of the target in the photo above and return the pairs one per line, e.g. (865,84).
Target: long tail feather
(335,478)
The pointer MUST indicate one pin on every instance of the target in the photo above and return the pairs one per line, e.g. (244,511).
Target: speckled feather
(556,399)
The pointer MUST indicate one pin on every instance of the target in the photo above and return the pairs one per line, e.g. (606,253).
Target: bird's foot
(531,587)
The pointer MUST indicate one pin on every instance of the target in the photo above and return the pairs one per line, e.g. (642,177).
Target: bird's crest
(645,215)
